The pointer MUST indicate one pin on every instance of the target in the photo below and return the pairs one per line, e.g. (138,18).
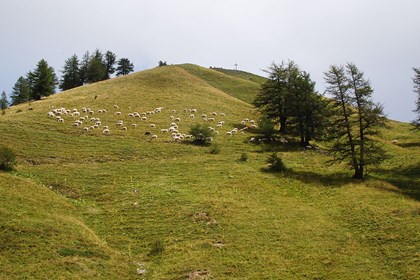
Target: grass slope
(124,206)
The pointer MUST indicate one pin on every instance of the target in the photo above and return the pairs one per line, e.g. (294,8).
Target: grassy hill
(89,205)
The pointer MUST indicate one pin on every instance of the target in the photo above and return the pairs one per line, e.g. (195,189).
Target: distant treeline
(42,81)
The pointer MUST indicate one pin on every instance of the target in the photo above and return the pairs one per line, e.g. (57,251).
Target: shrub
(244,157)
(275,163)
(7,159)
(157,248)
(202,135)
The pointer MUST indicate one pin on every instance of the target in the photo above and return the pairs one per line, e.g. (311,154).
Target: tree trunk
(358,172)
(282,124)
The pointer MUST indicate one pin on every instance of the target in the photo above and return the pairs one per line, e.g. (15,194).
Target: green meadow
(88,205)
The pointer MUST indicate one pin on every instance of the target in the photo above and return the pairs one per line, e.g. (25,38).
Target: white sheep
(154,136)
(191,116)
(134,125)
(106,131)
(222,114)
(118,113)
(144,118)
(177,119)
(116,106)
(124,128)
(152,125)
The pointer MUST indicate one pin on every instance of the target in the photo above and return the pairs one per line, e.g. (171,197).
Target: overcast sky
(382,37)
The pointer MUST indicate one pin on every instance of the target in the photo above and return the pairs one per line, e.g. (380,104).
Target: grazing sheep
(50,114)
(229,133)
(171,118)
(118,113)
(253,140)
(211,119)
(177,119)
(204,116)
(124,128)
(252,121)
(394,141)
(106,131)
(191,116)
(134,125)
(213,113)
(222,114)
(147,133)
(152,125)
(164,130)
(144,118)
(86,129)
(154,136)
(106,127)
(60,120)
(119,123)
(131,115)
(116,107)
(136,115)
(193,110)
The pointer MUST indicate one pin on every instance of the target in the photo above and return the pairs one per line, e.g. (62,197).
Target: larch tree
(355,120)
(288,98)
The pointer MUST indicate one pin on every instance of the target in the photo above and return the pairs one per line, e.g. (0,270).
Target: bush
(275,163)
(157,248)
(202,135)
(244,157)
(7,159)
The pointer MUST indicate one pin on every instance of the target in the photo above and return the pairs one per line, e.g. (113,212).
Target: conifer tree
(416,81)
(355,119)
(289,99)
(20,91)
(124,67)
(4,103)
(71,74)
(43,80)
(110,60)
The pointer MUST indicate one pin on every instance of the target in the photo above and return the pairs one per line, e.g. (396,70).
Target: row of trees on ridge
(92,68)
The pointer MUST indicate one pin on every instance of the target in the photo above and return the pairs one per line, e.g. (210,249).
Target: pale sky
(382,37)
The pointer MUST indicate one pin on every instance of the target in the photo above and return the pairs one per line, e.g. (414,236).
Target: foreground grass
(90,206)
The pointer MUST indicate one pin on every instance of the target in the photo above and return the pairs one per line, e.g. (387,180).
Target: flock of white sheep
(89,120)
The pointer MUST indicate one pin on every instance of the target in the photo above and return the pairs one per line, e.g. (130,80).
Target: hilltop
(88,205)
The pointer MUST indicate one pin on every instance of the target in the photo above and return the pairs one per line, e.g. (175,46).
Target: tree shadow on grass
(409,145)
(406,179)
(332,180)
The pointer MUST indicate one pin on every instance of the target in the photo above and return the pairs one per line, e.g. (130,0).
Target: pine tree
(416,81)
(4,103)
(20,91)
(71,74)
(124,67)
(110,60)
(83,68)
(289,99)
(44,80)
(355,119)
